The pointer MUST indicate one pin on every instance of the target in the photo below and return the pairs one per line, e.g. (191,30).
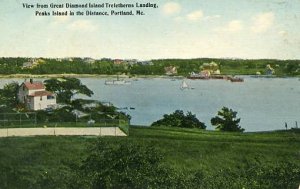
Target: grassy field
(46,162)
(209,150)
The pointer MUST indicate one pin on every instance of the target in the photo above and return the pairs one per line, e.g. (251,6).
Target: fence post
(76,119)
(128,126)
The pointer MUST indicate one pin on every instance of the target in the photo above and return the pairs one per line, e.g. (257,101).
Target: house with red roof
(35,97)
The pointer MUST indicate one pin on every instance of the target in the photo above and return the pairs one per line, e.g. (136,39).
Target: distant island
(159,67)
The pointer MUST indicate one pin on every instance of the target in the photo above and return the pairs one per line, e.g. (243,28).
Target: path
(62,131)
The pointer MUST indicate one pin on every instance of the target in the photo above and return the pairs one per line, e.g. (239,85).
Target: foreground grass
(193,149)
(47,162)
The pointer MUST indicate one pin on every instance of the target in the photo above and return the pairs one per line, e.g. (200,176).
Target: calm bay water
(262,103)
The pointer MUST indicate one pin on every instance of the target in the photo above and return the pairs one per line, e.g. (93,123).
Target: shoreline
(114,76)
(84,76)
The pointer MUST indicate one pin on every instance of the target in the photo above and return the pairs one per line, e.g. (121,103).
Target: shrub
(125,165)
(179,119)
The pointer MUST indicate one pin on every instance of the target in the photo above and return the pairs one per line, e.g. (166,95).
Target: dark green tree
(226,121)
(125,165)
(179,119)
(9,94)
(66,88)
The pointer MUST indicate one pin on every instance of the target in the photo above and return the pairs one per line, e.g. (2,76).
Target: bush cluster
(179,119)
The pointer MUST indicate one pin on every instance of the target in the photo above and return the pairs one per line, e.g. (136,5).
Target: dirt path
(62,131)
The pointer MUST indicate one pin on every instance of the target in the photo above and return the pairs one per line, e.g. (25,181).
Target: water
(262,103)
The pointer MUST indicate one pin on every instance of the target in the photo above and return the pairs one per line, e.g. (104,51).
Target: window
(49,97)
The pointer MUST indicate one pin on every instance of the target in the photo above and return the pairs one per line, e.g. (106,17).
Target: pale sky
(177,29)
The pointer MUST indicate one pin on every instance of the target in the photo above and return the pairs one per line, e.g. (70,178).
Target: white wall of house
(40,102)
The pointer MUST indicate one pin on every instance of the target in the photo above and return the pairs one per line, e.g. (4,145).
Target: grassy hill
(193,149)
(272,158)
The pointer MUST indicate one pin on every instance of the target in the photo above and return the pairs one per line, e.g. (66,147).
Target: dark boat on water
(235,79)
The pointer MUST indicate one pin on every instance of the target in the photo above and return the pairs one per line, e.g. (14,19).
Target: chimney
(31,80)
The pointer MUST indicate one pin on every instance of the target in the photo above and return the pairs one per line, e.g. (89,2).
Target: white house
(89,60)
(35,96)
(27,65)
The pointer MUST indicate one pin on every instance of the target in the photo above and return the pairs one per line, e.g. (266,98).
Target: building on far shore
(32,63)
(35,97)
(88,60)
(205,73)
(269,70)
(171,70)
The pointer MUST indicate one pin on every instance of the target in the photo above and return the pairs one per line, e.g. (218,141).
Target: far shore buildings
(171,70)
(89,60)
(35,97)
(210,69)
(131,62)
(269,70)
(32,63)
(205,73)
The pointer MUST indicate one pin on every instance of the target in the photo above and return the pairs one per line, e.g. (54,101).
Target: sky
(247,29)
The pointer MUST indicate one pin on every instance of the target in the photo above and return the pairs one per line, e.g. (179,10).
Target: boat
(236,79)
(117,82)
(184,85)
(123,108)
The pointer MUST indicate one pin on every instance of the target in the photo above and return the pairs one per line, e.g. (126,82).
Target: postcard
(149,94)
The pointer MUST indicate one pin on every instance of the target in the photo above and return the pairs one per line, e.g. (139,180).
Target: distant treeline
(157,67)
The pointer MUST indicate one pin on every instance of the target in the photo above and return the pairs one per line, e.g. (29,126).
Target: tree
(66,88)
(9,94)
(179,119)
(125,165)
(226,120)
